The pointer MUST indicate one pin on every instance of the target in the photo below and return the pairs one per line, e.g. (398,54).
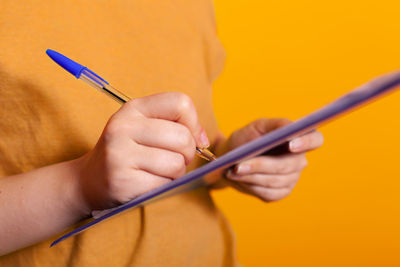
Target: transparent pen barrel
(103,86)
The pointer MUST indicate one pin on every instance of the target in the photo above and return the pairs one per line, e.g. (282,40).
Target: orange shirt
(142,47)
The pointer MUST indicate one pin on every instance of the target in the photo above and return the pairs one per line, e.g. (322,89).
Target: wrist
(74,192)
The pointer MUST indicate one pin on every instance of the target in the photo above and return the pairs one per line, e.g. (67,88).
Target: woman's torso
(46,116)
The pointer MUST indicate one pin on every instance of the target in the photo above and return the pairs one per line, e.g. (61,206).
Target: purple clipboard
(268,141)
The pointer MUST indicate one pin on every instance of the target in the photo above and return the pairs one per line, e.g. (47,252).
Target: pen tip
(69,65)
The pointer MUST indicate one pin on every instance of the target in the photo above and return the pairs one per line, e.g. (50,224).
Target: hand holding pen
(144,145)
(94,80)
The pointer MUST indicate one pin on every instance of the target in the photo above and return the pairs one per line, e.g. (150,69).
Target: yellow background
(285,59)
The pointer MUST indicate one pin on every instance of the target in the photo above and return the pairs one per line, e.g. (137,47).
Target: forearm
(39,204)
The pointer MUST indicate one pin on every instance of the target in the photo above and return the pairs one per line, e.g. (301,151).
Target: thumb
(256,129)
(264,125)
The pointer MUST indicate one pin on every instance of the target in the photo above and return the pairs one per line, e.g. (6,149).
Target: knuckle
(282,122)
(281,167)
(185,103)
(258,163)
(184,138)
(285,121)
(279,196)
(185,143)
(304,163)
(294,180)
(274,181)
(131,107)
(176,166)
(111,131)
(254,130)
(259,123)
(131,103)
(273,195)
(266,196)
(320,138)
(114,129)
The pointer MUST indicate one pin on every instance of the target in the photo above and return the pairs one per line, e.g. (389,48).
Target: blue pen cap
(69,65)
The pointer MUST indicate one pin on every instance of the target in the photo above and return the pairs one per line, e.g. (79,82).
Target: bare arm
(38,204)
(147,143)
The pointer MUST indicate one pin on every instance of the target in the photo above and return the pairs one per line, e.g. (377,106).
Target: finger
(160,162)
(266,194)
(258,128)
(165,135)
(139,180)
(306,142)
(172,106)
(270,181)
(284,164)
(265,125)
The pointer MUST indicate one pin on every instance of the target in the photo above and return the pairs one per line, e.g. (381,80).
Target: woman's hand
(146,144)
(270,177)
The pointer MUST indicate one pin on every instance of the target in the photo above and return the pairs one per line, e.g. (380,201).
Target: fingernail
(242,169)
(204,142)
(296,144)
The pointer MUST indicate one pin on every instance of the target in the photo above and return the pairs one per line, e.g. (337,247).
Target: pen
(91,78)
